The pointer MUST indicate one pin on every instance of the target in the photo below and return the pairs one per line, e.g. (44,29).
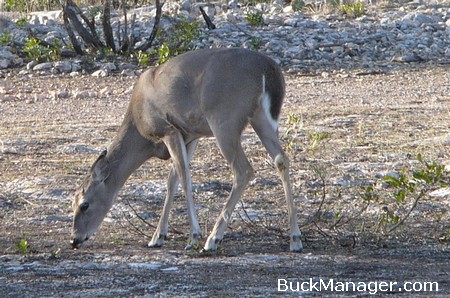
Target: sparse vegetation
(21,22)
(255,43)
(6,39)
(22,246)
(317,138)
(178,39)
(354,10)
(339,189)
(297,5)
(37,51)
(408,189)
(293,126)
(255,18)
(144,58)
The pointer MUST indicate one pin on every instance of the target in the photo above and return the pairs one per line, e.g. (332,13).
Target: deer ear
(100,169)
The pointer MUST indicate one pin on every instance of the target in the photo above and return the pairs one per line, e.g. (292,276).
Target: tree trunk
(148,43)
(71,11)
(208,21)
(72,37)
(107,25)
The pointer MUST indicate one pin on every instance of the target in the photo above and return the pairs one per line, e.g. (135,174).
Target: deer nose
(76,243)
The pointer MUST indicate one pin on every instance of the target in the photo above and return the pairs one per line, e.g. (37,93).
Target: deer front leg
(172,185)
(163,226)
(178,152)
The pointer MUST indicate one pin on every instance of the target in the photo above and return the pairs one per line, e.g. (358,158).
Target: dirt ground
(54,126)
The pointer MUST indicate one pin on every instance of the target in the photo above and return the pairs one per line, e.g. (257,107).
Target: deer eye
(84,206)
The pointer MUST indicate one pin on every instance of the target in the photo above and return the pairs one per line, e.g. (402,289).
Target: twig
(136,229)
(414,205)
(208,21)
(277,232)
(146,222)
(41,41)
(316,214)
(321,232)
(340,222)
(148,43)
(252,224)
(138,216)
(29,202)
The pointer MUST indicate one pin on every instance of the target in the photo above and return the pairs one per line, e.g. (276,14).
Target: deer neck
(128,151)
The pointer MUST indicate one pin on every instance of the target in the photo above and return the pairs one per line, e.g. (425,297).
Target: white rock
(100,73)
(231,18)
(440,193)
(288,9)
(63,66)
(8,59)
(81,94)
(62,94)
(185,5)
(291,22)
(128,73)
(109,67)
(76,67)
(4,63)
(43,66)
(31,64)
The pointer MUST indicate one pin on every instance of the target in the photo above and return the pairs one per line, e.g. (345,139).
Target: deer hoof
(212,244)
(296,244)
(157,242)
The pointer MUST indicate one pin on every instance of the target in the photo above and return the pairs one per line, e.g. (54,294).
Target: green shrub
(297,5)
(16,5)
(23,246)
(177,40)
(22,22)
(407,189)
(255,43)
(294,124)
(144,58)
(255,18)
(353,9)
(36,51)
(6,39)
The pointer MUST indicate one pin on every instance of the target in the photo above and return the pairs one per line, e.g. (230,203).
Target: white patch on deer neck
(266,103)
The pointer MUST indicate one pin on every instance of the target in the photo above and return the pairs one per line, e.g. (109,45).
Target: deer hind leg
(269,137)
(172,185)
(231,149)
(178,152)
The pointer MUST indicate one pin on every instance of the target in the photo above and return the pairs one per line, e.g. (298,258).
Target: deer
(202,93)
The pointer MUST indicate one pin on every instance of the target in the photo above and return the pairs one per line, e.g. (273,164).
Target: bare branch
(72,37)
(208,21)
(71,11)
(106,21)
(148,43)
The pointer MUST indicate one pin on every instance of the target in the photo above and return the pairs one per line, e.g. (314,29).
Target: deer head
(92,201)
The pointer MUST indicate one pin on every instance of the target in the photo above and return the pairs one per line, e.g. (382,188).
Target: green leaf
(392,181)
(22,245)
(400,196)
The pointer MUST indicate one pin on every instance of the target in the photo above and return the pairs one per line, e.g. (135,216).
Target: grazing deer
(198,94)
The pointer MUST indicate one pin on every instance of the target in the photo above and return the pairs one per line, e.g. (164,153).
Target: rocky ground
(364,98)
(316,36)
(377,123)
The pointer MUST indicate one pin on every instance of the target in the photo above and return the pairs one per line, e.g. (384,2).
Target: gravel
(383,38)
